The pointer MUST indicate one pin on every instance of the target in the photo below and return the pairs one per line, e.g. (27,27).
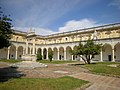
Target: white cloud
(80,24)
(69,26)
(38,31)
(115,3)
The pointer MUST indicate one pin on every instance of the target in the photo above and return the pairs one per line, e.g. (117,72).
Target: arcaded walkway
(99,82)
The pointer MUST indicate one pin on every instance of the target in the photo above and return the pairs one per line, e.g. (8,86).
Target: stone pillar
(26,46)
(113,54)
(47,55)
(33,51)
(58,55)
(64,54)
(72,58)
(8,53)
(36,52)
(42,53)
(81,58)
(16,53)
(101,57)
(23,51)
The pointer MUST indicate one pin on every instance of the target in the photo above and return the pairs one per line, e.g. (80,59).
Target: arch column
(33,51)
(42,53)
(58,54)
(26,46)
(16,53)
(47,55)
(72,58)
(8,53)
(113,54)
(80,57)
(101,56)
(65,55)
(72,55)
(36,51)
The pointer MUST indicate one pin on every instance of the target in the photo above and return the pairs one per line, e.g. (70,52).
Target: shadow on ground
(8,72)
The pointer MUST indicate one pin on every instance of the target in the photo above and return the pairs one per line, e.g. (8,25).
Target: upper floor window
(16,38)
(66,39)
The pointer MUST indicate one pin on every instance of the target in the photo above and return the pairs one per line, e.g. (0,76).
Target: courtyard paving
(58,70)
(99,82)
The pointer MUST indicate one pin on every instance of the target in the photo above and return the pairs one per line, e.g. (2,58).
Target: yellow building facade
(25,45)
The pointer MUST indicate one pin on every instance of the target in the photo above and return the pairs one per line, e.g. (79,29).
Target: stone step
(28,64)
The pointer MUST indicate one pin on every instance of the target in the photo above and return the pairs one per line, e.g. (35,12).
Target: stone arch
(44,53)
(68,55)
(55,53)
(49,49)
(117,52)
(61,53)
(107,52)
(20,52)
(12,52)
(39,51)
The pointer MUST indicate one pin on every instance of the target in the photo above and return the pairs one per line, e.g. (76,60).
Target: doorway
(109,58)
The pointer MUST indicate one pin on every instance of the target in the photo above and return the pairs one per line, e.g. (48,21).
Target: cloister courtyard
(97,76)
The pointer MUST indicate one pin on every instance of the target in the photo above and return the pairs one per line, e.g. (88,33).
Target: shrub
(50,55)
(39,56)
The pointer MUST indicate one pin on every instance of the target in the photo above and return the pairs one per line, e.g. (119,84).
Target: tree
(87,51)
(39,56)
(50,55)
(5,30)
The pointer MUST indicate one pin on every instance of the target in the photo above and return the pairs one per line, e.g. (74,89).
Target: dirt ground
(52,71)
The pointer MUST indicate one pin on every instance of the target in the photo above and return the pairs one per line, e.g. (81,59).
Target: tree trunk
(83,59)
(88,61)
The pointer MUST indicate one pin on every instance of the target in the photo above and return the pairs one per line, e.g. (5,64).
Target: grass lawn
(56,61)
(63,83)
(10,61)
(103,68)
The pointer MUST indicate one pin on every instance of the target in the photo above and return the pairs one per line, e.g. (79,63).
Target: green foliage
(5,30)
(87,50)
(50,55)
(62,83)
(39,56)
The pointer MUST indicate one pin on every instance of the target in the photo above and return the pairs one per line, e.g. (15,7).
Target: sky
(47,17)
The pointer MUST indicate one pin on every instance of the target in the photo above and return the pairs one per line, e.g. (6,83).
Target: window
(11,55)
(16,38)
(20,56)
(66,39)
